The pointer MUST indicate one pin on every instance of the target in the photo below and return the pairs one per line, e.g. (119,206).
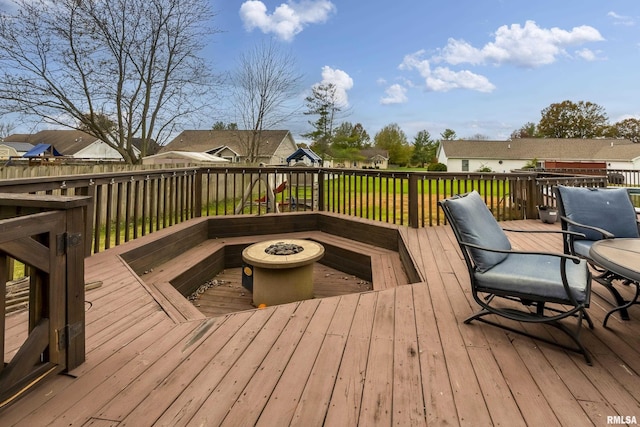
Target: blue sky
(475,66)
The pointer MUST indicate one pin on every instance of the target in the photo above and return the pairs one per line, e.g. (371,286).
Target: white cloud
(527,46)
(415,61)
(587,54)
(443,79)
(288,19)
(459,52)
(396,94)
(342,82)
(621,19)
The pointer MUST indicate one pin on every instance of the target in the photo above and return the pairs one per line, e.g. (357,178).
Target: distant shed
(14,149)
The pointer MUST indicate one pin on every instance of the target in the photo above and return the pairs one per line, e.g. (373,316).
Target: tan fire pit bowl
(279,279)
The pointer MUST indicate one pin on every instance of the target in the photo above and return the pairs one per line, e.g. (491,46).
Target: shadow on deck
(397,355)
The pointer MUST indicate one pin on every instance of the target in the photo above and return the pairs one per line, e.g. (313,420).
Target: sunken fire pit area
(282,270)
(175,261)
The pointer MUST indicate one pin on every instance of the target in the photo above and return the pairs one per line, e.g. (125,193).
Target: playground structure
(282,192)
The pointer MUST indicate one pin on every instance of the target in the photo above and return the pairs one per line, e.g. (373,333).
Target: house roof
(543,149)
(17,137)
(220,150)
(67,142)
(207,140)
(304,152)
(370,153)
(152,147)
(18,146)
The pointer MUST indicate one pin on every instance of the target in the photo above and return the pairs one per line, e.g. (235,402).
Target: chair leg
(623,307)
(477,316)
(573,335)
(587,318)
(606,279)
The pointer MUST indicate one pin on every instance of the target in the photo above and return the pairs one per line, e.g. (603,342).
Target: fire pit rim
(256,256)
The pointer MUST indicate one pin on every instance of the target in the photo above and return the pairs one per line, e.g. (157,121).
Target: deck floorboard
(397,356)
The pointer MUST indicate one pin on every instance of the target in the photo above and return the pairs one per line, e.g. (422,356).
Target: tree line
(582,119)
(132,70)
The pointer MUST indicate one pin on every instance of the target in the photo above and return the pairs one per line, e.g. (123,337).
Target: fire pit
(282,270)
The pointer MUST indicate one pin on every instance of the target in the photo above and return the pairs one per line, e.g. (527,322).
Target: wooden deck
(399,356)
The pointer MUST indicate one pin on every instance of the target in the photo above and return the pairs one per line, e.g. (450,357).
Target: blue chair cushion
(581,247)
(537,276)
(476,224)
(606,208)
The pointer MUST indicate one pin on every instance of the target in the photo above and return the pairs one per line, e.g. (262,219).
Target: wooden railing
(615,177)
(127,205)
(46,234)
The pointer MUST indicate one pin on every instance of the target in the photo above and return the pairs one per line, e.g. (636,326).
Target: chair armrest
(564,232)
(605,233)
(575,259)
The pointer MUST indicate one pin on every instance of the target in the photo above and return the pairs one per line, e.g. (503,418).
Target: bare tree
(81,64)
(6,129)
(265,86)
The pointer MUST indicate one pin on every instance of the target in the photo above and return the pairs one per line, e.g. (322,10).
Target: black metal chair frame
(541,312)
(605,277)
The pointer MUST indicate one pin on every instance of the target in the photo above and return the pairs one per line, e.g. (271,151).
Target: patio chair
(597,213)
(535,287)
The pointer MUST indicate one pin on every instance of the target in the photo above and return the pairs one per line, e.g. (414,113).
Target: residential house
(374,158)
(10,149)
(275,146)
(503,156)
(367,158)
(74,144)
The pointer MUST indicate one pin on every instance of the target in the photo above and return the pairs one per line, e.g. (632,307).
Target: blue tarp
(39,149)
(302,152)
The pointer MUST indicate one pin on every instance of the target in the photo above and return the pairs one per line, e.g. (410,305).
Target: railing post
(89,212)
(197,194)
(413,201)
(75,286)
(49,238)
(321,192)
(533,192)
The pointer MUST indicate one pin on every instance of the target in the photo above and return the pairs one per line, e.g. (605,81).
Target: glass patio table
(621,257)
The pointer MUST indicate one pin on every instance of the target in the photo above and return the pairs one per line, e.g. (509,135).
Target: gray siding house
(275,145)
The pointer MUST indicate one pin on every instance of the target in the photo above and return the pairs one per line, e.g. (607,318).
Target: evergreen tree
(448,135)
(322,102)
(424,148)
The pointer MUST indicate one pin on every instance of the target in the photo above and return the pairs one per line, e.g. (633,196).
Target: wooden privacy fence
(126,205)
(46,234)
